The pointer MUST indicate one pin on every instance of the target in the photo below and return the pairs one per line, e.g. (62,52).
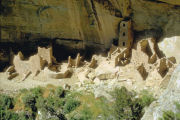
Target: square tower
(125,34)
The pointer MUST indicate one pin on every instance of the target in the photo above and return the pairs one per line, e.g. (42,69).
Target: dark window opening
(124,34)
(115,42)
(124,25)
(124,44)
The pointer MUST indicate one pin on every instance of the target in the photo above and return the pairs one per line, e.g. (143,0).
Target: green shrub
(170,115)
(70,105)
(55,102)
(52,105)
(59,92)
(50,102)
(146,98)
(8,115)
(25,116)
(84,114)
(29,100)
(126,106)
(6,102)
(36,92)
(24,90)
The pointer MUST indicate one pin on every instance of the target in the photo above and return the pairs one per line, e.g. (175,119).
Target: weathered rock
(97,81)
(21,66)
(105,75)
(35,64)
(101,92)
(162,67)
(13,75)
(10,69)
(66,87)
(91,75)
(171,47)
(142,71)
(83,76)
(46,54)
(93,62)
(74,62)
(90,22)
(172,59)
(58,75)
(166,100)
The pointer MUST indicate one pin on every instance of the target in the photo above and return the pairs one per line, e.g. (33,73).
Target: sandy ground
(12,86)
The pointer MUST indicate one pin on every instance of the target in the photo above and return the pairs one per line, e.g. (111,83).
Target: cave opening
(61,52)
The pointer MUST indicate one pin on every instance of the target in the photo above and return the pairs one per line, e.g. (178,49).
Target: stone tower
(125,34)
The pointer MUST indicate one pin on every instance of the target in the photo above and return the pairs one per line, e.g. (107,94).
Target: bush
(50,102)
(59,92)
(70,105)
(29,100)
(84,114)
(170,115)
(146,98)
(8,115)
(36,92)
(6,102)
(126,106)
(51,105)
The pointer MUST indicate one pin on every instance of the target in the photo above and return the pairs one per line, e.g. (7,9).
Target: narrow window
(124,34)
(124,25)
(124,44)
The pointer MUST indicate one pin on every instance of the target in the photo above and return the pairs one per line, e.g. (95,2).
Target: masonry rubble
(74,62)
(143,57)
(93,62)
(33,65)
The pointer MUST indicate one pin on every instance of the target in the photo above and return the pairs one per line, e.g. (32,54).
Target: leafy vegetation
(128,106)
(146,98)
(7,103)
(84,114)
(54,103)
(170,115)
(71,105)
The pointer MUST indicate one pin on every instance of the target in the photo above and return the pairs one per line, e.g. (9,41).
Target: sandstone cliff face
(80,21)
(86,22)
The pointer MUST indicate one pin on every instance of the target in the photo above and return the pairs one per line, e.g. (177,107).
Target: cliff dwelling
(90,47)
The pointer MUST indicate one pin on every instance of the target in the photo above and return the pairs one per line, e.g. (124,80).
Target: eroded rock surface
(85,22)
(167,99)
